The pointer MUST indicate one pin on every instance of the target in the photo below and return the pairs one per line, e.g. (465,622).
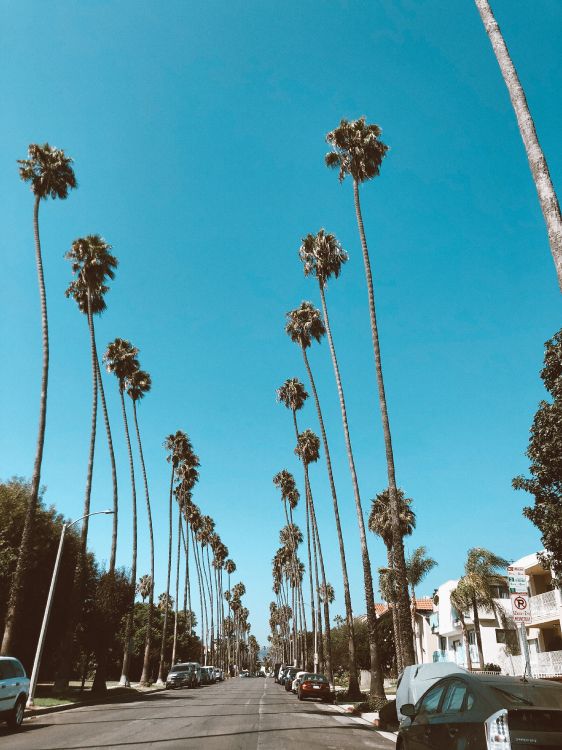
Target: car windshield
(314,678)
(541,696)
(179,668)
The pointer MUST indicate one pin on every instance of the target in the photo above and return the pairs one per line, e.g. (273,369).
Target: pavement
(239,714)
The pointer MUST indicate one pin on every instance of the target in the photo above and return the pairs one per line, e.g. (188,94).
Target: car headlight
(497,731)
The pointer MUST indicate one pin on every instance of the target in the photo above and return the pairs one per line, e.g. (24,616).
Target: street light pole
(48,606)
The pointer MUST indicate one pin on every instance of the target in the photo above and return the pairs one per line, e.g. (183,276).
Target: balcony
(457,657)
(546,664)
(434,622)
(544,607)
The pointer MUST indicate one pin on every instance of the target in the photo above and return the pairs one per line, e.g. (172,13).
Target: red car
(316,686)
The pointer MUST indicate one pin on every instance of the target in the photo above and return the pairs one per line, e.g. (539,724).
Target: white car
(14,689)
(416,679)
(295,685)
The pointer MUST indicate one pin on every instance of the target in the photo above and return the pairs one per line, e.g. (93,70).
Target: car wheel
(16,716)
(299,696)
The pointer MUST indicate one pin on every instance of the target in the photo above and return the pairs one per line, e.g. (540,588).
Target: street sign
(516,580)
(520,608)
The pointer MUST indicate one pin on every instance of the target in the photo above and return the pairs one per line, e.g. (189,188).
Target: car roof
(504,680)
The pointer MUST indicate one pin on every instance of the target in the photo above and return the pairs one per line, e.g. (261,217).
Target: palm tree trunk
(113,471)
(476,620)
(145,677)
(294,567)
(466,643)
(77,595)
(326,605)
(353,677)
(129,622)
(18,580)
(160,680)
(395,619)
(202,601)
(377,679)
(403,601)
(537,162)
(312,610)
(175,641)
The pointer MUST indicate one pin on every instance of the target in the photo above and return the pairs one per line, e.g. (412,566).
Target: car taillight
(497,731)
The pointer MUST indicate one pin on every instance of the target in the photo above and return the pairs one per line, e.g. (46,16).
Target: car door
(5,685)
(420,734)
(454,727)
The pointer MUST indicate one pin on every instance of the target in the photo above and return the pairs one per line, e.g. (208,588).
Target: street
(244,714)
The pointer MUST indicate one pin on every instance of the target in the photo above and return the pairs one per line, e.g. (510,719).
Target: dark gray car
(484,712)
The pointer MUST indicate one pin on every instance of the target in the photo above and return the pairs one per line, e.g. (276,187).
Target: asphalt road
(240,714)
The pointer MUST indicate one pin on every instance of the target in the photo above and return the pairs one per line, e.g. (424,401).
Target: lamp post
(43,633)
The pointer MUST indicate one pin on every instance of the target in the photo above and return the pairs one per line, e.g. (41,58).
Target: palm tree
(380,523)
(304,325)
(308,450)
(357,151)
(92,264)
(139,384)
(323,257)
(144,587)
(418,565)
(461,599)
(481,574)
(120,358)
(537,161)
(230,567)
(50,173)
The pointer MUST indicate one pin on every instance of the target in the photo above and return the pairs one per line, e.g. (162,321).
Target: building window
(472,637)
(499,592)
(508,637)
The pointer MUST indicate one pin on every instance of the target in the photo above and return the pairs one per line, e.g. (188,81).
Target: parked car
(288,677)
(207,675)
(294,683)
(282,673)
(185,674)
(484,712)
(313,685)
(14,690)
(244,673)
(276,669)
(219,674)
(415,680)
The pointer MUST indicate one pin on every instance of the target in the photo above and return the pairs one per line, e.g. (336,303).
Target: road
(240,714)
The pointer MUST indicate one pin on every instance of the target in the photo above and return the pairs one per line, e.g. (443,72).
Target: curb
(31,713)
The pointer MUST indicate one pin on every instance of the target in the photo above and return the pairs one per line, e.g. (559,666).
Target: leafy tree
(50,173)
(545,454)
(537,161)
(358,151)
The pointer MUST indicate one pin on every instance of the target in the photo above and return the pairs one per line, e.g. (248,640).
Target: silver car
(14,689)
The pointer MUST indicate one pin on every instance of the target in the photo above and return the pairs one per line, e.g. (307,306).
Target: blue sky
(197,131)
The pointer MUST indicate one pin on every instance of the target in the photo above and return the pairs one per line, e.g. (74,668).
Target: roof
(425,604)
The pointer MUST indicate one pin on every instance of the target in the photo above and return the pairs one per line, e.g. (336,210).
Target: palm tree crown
(357,150)
(322,256)
(293,394)
(49,171)
(138,384)
(92,264)
(121,359)
(380,517)
(308,447)
(286,483)
(305,324)
(418,566)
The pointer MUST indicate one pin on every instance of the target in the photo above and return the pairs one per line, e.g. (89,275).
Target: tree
(121,359)
(139,384)
(323,256)
(461,598)
(380,523)
(304,325)
(144,587)
(545,454)
(537,161)
(51,175)
(418,565)
(481,574)
(358,152)
(92,265)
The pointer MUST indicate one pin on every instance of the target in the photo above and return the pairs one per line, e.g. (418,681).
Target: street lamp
(43,633)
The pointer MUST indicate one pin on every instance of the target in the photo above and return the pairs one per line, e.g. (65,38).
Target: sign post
(519,595)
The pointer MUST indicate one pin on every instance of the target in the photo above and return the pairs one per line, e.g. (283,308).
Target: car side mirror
(408,709)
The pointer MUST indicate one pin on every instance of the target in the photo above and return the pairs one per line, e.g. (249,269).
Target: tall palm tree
(308,450)
(380,523)
(139,384)
(144,587)
(304,325)
(322,257)
(358,151)
(537,161)
(481,574)
(120,358)
(50,173)
(418,565)
(230,567)
(92,266)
